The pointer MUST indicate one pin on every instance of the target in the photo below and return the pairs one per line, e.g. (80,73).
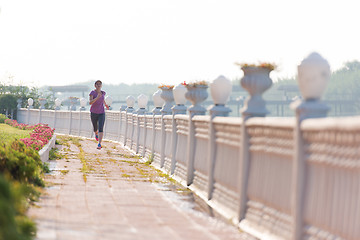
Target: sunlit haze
(47,42)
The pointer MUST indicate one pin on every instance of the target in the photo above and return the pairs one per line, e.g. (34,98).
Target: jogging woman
(97,111)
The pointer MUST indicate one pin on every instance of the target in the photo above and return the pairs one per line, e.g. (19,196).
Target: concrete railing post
(70,121)
(163,139)
(130,101)
(153,137)
(168,97)
(158,102)
(220,90)
(313,76)
(131,136)
(105,124)
(79,125)
(142,103)
(42,102)
(145,136)
(126,127)
(28,116)
(40,110)
(256,81)
(55,118)
(179,92)
(196,94)
(138,133)
(122,108)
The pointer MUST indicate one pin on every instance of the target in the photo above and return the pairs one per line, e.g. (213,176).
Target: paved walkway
(109,194)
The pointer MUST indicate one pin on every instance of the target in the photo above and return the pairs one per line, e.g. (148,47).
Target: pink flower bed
(39,137)
(21,126)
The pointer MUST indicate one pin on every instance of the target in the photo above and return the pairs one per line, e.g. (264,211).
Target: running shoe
(99,146)
(97,137)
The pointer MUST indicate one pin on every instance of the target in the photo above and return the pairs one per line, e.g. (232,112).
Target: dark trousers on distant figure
(98,120)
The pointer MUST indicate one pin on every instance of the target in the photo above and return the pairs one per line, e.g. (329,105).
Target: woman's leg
(101,126)
(94,120)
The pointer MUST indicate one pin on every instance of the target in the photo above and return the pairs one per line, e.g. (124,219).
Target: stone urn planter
(73,101)
(19,102)
(256,81)
(42,102)
(167,95)
(57,104)
(196,94)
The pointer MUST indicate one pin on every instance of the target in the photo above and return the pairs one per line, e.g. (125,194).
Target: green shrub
(8,101)
(14,224)
(54,154)
(23,164)
(2,118)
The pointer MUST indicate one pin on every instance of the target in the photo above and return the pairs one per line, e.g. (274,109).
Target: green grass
(9,133)
(54,154)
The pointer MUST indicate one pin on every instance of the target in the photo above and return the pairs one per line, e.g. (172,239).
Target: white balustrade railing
(332,187)
(140,138)
(278,178)
(201,144)
(111,127)
(167,142)
(182,133)
(332,190)
(223,186)
(269,181)
(148,136)
(157,140)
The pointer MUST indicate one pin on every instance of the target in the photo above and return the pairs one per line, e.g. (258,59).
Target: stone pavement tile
(118,201)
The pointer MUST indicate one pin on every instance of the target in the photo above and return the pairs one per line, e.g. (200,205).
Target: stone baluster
(196,94)
(108,102)
(179,92)
(168,96)
(57,107)
(313,76)
(256,81)
(158,103)
(30,106)
(220,90)
(42,102)
(142,103)
(130,101)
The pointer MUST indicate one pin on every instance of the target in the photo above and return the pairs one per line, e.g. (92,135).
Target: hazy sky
(48,42)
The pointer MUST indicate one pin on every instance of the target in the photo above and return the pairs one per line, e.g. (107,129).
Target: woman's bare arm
(92,99)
